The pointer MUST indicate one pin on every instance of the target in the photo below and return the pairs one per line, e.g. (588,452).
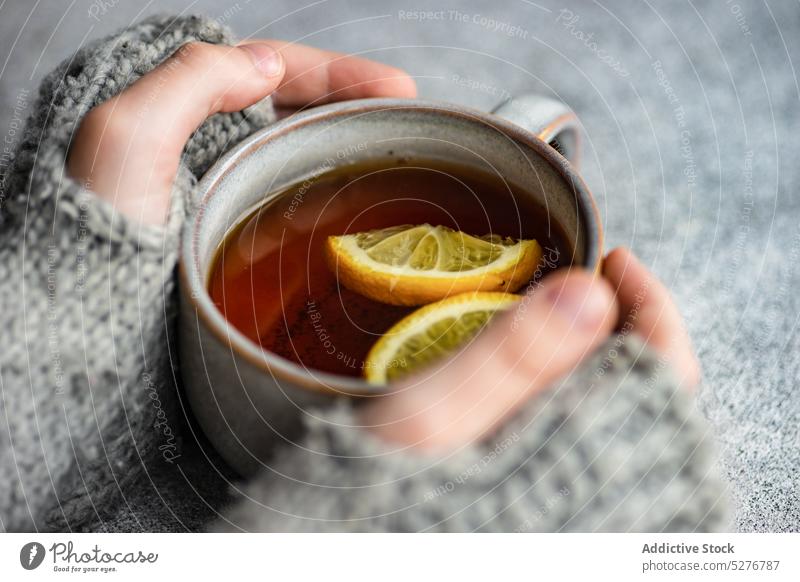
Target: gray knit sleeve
(615,447)
(88,297)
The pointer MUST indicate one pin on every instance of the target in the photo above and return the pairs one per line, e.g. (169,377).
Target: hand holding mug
(129,147)
(129,150)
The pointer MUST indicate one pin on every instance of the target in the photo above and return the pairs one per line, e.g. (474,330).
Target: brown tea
(271,281)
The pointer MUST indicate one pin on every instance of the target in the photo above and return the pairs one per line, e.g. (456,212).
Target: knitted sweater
(94,434)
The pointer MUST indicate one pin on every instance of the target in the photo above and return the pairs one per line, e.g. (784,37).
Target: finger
(128,148)
(523,352)
(648,310)
(315,76)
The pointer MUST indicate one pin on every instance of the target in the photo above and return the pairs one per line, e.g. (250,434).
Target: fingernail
(266,59)
(580,300)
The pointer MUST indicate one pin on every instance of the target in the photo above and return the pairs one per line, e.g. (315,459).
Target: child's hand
(563,322)
(127,150)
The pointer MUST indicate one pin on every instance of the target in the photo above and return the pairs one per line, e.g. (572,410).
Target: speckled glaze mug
(246,398)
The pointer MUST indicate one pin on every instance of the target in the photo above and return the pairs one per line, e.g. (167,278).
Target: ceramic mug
(246,398)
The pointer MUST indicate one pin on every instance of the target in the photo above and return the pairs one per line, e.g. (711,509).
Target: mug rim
(279,367)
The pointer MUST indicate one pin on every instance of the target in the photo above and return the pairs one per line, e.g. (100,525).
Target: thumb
(128,149)
(549,332)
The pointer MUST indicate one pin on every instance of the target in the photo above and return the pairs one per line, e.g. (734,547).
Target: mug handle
(551,121)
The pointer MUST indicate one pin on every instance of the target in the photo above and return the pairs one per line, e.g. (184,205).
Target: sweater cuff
(99,71)
(85,214)
(614,447)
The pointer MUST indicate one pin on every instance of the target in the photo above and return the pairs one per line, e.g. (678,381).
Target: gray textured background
(706,197)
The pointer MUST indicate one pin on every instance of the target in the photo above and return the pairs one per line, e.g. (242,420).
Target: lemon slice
(432,332)
(414,265)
